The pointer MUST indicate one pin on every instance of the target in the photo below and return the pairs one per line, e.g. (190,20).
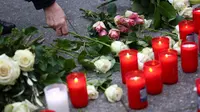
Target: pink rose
(99,26)
(114,34)
(131,15)
(123,29)
(103,33)
(130,22)
(139,20)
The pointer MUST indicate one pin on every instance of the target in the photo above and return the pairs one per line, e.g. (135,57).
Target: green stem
(102,88)
(88,38)
(153,30)
(68,53)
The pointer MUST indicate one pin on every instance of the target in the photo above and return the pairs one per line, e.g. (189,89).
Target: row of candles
(162,70)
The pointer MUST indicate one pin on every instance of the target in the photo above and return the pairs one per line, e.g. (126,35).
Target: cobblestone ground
(175,98)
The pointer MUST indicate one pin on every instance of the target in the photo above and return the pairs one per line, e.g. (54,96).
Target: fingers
(59,32)
(64,29)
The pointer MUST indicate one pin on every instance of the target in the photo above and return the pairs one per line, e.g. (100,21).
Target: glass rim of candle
(132,73)
(161,39)
(186,22)
(134,78)
(168,51)
(197,9)
(60,86)
(131,52)
(75,75)
(189,44)
(152,63)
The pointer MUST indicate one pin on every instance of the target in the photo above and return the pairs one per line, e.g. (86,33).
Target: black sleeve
(40,4)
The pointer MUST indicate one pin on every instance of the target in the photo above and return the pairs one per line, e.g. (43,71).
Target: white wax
(57,100)
(188,45)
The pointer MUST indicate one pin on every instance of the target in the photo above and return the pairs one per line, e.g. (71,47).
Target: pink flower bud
(103,33)
(131,15)
(130,22)
(114,34)
(123,29)
(117,18)
(139,20)
(99,26)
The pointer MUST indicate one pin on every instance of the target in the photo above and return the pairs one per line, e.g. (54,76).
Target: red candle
(169,63)
(152,71)
(128,62)
(77,89)
(186,27)
(198,93)
(196,19)
(137,96)
(47,111)
(189,56)
(159,44)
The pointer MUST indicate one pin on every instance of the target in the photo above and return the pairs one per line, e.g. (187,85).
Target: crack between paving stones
(127,110)
(72,26)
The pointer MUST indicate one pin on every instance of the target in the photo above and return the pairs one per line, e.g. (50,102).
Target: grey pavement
(179,97)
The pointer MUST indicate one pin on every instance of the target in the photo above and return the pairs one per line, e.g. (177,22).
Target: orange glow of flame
(159,43)
(166,55)
(150,70)
(76,80)
(128,55)
(135,78)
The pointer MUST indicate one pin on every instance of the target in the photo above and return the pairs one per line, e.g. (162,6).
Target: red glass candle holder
(152,71)
(189,57)
(169,63)
(137,96)
(186,27)
(47,111)
(77,89)
(128,62)
(196,19)
(159,44)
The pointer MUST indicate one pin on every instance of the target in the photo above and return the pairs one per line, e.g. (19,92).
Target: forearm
(41,4)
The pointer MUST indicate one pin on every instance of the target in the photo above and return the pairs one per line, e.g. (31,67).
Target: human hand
(56,19)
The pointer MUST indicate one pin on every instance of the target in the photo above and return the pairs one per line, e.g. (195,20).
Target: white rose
(142,58)
(180,4)
(148,51)
(9,70)
(103,65)
(128,13)
(171,1)
(118,46)
(186,12)
(147,23)
(24,106)
(177,47)
(92,92)
(25,59)
(113,93)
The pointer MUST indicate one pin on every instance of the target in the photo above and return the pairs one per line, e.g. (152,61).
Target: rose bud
(99,26)
(130,22)
(117,18)
(131,15)
(103,33)
(123,29)
(114,34)
(139,20)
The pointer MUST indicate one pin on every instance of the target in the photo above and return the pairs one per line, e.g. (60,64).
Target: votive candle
(186,27)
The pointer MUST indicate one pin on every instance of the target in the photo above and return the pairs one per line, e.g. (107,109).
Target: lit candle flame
(150,70)
(186,26)
(128,55)
(159,43)
(166,55)
(135,78)
(76,80)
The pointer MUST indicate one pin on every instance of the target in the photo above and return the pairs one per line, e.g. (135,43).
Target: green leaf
(62,43)
(157,19)
(69,65)
(112,9)
(30,31)
(147,39)
(43,66)
(177,20)
(137,7)
(87,64)
(82,55)
(145,3)
(167,10)
(52,80)
(1,29)
(132,36)
(105,50)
